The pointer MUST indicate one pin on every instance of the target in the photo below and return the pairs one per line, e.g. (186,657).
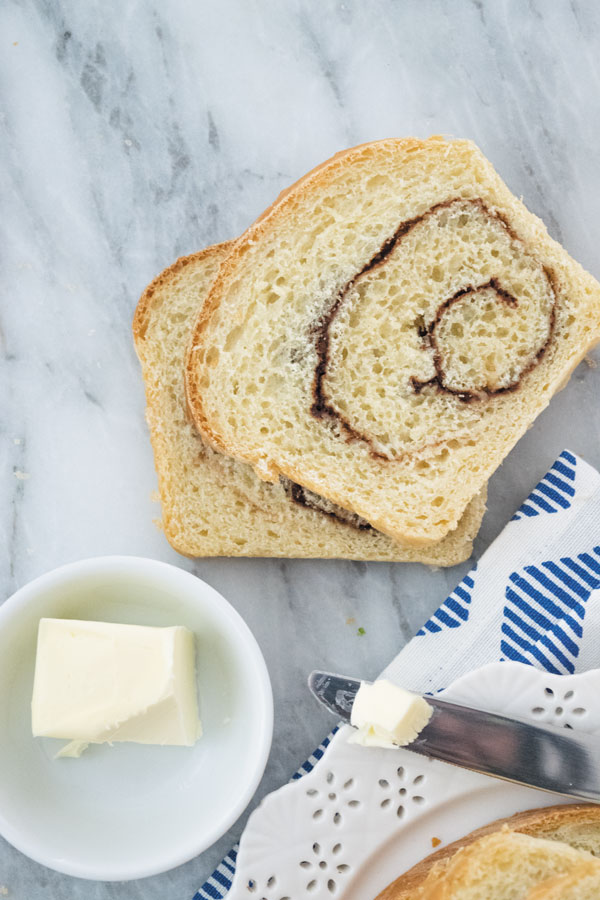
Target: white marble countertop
(137,131)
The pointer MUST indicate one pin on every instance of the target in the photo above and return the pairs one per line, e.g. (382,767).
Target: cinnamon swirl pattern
(459,313)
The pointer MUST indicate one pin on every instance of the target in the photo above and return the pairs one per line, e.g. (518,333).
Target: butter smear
(386,715)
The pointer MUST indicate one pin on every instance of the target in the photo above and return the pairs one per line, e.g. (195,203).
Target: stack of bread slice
(214,505)
(344,378)
(543,854)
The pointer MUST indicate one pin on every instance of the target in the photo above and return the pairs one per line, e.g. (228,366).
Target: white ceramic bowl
(131,810)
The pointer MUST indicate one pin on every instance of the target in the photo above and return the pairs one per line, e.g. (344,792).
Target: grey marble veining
(137,131)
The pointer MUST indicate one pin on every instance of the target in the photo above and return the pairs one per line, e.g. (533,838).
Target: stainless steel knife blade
(540,756)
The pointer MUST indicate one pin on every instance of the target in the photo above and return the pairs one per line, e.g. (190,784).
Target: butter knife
(540,756)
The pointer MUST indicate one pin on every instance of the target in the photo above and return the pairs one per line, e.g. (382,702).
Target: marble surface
(137,131)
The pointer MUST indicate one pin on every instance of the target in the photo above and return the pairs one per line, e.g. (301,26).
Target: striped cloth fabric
(555,491)
(534,597)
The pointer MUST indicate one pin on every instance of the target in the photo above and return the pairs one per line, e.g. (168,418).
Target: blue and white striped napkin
(533,597)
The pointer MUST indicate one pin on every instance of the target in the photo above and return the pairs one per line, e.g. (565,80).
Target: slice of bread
(582,883)
(386,332)
(215,506)
(577,825)
(501,866)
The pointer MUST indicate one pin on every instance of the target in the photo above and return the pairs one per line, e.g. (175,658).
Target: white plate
(364,816)
(131,810)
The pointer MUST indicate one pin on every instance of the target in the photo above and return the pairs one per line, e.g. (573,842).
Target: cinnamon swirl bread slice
(386,331)
(215,506)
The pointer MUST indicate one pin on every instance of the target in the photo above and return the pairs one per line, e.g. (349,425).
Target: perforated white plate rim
(363,816)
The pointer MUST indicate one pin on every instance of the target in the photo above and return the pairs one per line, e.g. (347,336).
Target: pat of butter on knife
(98,682)
(386,715)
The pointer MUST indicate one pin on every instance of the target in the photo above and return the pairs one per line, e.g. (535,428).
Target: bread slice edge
(534,822)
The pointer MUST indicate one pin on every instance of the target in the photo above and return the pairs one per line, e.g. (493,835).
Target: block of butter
(386,715)
(99,682)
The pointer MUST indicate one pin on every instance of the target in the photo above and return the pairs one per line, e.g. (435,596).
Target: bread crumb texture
(539,854)
(502,866)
